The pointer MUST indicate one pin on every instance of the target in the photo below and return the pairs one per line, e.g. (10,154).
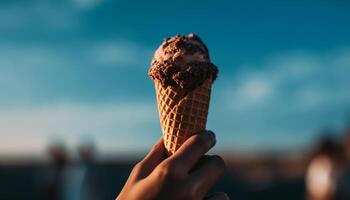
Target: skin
(188,174)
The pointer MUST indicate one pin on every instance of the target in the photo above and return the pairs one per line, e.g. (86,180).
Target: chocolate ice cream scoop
(182,61)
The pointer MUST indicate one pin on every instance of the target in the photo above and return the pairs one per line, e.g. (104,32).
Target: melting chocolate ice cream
(182,61)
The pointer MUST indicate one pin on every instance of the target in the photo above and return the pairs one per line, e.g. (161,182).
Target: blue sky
(77,69)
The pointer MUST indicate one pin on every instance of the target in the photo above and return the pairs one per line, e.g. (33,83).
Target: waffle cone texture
(182,114)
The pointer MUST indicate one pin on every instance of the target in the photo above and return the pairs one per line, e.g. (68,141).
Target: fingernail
(212,137)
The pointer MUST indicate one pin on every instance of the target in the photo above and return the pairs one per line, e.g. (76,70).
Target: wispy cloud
(41,16)
(120,53)
(37,72)
(87,4)
(100,53)
(301,78)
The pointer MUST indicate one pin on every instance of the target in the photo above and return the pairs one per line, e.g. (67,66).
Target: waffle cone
(182,115)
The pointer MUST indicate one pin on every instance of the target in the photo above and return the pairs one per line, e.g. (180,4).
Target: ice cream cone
(182,114)
(183,74)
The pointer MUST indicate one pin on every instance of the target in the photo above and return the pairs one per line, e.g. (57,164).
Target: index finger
(193,149)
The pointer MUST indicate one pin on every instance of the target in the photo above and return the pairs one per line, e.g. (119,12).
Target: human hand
(187,174)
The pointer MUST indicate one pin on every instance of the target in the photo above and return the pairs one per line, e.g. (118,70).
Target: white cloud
(27,56)
(37,16)
(113,53)
(86,4)
(114,126)
(250,93)
(304,79)
(44,16)
(116,53)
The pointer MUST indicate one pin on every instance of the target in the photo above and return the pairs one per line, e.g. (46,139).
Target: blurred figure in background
(324,169)
(343,189)
(74,174)
(52,184)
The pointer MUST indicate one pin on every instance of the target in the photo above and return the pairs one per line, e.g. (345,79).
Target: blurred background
(77,108)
